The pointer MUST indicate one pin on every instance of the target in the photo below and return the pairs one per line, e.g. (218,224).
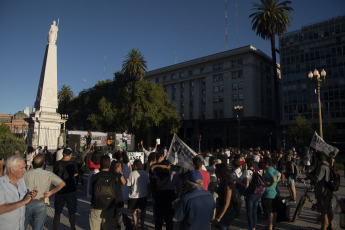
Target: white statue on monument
(52,35)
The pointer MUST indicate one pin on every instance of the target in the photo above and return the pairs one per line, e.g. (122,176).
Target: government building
(225,99)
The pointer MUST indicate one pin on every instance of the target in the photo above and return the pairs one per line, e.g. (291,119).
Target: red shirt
(205,178)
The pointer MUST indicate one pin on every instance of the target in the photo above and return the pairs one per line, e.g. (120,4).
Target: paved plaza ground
(306,221)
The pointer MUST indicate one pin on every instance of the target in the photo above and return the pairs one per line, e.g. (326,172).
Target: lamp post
(317,79)
(238,109)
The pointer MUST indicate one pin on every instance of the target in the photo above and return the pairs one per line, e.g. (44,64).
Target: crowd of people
(210,194)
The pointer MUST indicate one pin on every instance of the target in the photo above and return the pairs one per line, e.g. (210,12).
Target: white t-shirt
(237,175)
(138,180)
(307,160)
(248,174)
(59,155)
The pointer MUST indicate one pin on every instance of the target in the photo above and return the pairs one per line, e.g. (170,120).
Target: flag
(319,144)
(180,154)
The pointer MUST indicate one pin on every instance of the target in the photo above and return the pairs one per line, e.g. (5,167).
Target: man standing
(321,175)
(197,162)
(14,195)
(196,208)
(102,190)
(147,152)
(66,170)
(138,181)
(36,211)
(271,177)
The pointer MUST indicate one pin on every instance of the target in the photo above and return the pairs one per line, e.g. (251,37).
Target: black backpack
(334,179)
(104,190)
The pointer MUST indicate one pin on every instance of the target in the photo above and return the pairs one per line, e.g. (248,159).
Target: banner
(180,154)
(135,155)
(319,144)
(98,138)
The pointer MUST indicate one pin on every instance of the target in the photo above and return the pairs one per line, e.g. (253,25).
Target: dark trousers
(163,209)
(80,174)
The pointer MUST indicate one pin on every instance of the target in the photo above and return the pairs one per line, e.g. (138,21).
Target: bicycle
(303,200)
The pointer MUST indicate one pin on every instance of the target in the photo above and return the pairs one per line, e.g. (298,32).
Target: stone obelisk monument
(45,123)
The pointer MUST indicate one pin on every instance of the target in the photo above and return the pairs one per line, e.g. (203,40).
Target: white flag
(180,154)
(319,144)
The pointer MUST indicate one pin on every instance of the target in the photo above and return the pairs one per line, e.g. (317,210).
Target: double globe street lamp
(317,79)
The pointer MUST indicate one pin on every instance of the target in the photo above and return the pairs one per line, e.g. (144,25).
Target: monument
(45,124)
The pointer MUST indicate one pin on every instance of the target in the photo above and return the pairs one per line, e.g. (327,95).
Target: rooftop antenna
(226,25)
(105,58)
(84,80)
(236,25)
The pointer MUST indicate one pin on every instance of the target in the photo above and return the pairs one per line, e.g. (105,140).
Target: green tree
(65,95)
(9,143)
(133,68)
(270,19)
(300,132)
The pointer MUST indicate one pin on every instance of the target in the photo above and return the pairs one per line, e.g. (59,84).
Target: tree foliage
(300,132)
(9,143)
(65,95)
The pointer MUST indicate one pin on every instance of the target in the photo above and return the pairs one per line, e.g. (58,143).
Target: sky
(94,37)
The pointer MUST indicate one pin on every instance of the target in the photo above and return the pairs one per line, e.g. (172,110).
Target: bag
(283,210)
(104,191)
(334,179)
(257,184)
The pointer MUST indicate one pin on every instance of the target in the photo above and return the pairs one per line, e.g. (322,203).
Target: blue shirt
(9,193)
(196,210)
(271,191)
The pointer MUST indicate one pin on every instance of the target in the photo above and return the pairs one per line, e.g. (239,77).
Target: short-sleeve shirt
(248,174)
(237,175)
(66,170)
(205,178)
(322,174)
(42,179)
(271,191)
(9,193)
(138,180)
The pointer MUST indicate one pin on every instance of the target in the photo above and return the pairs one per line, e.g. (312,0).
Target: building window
(216,89)
(191,103)
(240,85)
(204,81)
(234,74)
(182,94)
(218,66)
(203,101)
(190,72)
(241,96)
(220,77)
(192,92)
(204,92)
(234,86)
(173,76)
(221,113)
(240,74)
(174,96)
(234,97)
(202,70)
(164,78)
(221,98)
(215,78)
(236,63)
(192,83)
(182,85)
(174,86)
(215,99)
(182,74)
(221,88)
(157,80)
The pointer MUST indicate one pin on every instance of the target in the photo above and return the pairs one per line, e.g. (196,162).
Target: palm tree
(133,68)
(270,19)
(65,95)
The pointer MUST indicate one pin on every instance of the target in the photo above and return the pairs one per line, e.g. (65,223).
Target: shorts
(291,180)
(135,203)
(69,198)
(268,205)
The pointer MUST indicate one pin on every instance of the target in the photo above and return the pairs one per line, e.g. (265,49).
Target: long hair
(223,173)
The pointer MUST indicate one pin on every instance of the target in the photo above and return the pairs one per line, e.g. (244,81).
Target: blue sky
(88,29)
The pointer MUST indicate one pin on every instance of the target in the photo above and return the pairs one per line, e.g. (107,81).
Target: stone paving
(307,219)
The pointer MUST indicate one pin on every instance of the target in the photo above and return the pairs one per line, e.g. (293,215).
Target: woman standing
(291,173)
(225,212)
(252,199)
(29,156)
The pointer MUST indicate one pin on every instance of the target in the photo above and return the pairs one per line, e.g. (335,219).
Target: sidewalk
(306,221)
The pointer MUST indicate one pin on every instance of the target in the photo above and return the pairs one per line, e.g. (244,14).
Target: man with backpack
(102,190)
(321,175)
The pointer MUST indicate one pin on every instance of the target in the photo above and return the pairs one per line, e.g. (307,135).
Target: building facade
(17,124)
(207,89)
(317,46)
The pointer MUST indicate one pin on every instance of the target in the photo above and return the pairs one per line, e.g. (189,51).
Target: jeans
(252,202)
(35,214)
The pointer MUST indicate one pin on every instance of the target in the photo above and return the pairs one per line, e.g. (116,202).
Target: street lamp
(238,109)
(317,79)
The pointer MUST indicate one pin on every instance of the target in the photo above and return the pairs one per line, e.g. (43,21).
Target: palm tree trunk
(276,82)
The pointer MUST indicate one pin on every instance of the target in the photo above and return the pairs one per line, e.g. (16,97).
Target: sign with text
(135,155)
(319,144)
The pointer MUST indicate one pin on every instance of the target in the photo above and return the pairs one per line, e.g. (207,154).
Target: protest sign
(135,155)
(319,144)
